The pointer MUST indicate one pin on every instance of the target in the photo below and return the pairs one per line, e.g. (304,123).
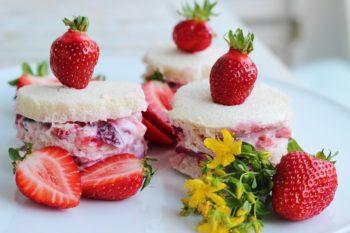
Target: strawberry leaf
(14,156)
(323,156)
(198,12)
(26,69)
(293,146)
(100,77)
(239,41)
(80,23)
(14,82)
(147,171)
(42,69)
(157,75)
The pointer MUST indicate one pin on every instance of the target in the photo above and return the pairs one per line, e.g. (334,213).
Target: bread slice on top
(100,100)
(181,67)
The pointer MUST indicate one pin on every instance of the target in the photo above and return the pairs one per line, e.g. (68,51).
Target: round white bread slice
(180,67)
(193,105)
(100,100)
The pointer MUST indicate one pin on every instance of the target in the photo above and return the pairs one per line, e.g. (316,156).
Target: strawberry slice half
(48,176)
(29,77)
(153,134)
(158,96)
(116,178)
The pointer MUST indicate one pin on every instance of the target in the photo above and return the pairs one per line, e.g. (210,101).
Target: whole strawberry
(194,34)
(304,185)
(74,55)
(233,75)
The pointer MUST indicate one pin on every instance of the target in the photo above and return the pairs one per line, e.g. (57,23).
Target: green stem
(79,24)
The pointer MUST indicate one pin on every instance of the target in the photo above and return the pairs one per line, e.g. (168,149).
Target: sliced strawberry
(153,134)
(48,176)
(28,77)
(115,178)
(158,96)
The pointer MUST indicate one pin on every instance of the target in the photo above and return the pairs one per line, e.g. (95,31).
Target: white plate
(318,123)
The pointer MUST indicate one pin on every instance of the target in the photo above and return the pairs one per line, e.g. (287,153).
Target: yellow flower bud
(239,190)
(251,197)
(236,221)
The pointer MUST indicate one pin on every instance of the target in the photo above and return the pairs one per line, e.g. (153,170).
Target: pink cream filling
(89,142)
(188,155)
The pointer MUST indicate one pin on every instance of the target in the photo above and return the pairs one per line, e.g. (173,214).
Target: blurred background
(310,39)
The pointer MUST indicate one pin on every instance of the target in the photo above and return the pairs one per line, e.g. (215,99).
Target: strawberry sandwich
(169,67)
(193,56)
(102,120)
(257,114)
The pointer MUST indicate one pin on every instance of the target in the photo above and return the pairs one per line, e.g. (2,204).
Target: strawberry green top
(80,23)
(239,41)
(198,12)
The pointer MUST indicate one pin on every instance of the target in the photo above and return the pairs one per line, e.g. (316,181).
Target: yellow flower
(205,208)
(208,228)
(200,191)
(218,221)
(224,150)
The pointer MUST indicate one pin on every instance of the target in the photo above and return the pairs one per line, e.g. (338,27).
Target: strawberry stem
(147,171)
(15,156)
(197,12)
(323,156)
(239,41)
(79,24)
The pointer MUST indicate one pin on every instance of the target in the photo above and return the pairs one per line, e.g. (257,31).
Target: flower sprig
(234,191)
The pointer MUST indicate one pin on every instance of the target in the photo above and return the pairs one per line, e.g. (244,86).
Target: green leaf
(80,23)
(261,208)
(14,157)
(26,69)
(239,41)
(186,211)
(323,156)
(270,172)
(157,75)
(100,77)
(42,69)
(254,184)
(14,154)
(198,12)
(232,202)
(28,147)
(14,82)
(147,172)
(293,146)
(250,197)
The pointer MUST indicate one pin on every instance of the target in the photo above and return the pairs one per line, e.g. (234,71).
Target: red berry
(28,77)
(115,178)
(233,75)
(303,186)
(192,35)
(49,176)
(74,55)
(158,96)
(155,135)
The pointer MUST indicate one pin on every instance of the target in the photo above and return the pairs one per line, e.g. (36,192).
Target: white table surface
(27,29)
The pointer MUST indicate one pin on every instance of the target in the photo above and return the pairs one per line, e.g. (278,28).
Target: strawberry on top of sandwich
(254,113)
